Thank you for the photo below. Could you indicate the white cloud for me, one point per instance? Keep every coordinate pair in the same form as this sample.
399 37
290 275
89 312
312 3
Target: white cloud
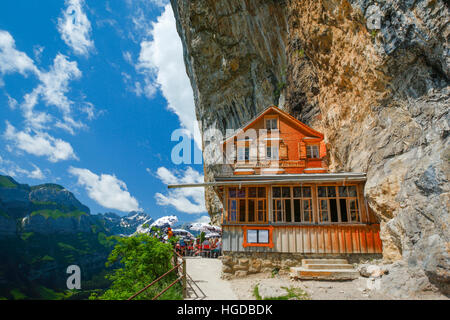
12 103
106 190
75 28
203 219
52 90
12 60
36 173
37 51
39 144
10 168
189 200
161 62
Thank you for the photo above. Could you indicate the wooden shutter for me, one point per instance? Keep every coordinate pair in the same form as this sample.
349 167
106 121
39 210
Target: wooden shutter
302 150
283 152
322 149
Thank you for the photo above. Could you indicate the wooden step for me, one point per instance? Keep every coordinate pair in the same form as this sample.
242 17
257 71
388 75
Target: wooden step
316 266
325 274
324 261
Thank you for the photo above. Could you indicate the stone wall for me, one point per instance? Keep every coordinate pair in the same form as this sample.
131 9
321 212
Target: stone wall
241 264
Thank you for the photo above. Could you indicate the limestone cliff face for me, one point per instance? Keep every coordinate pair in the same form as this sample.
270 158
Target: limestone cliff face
381 97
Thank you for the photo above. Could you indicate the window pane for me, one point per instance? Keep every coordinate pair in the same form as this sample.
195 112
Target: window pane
263 236
261 192
261 210
308 151
268 152
276 192
241 153
251 211
352 191
268 123
247 153
232 216
287 210
297 192
331 192
343 206
306 192
232 192
275 153
343 191
306 216
352 205
252 192
297 210
307 211
333 210
323 205
324 216
242 210
278 210
322 191
252 236
286 192
241 193
315 151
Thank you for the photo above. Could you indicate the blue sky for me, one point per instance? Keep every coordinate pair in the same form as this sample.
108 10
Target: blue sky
90 93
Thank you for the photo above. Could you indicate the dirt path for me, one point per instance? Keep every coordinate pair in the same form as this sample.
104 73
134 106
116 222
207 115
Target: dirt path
206 274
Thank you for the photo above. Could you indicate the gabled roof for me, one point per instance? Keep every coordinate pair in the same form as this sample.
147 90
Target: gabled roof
282 113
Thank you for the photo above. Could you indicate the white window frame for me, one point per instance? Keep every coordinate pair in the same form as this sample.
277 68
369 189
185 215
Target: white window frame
242 152
273 151
271 122
313 151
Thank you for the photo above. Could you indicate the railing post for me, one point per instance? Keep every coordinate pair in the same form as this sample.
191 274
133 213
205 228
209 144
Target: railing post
184 278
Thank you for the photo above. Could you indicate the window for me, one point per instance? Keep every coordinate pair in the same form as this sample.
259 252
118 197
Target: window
272 152
272 124
312 152
292 204
247 204
338 204
302 199
243 153
257 236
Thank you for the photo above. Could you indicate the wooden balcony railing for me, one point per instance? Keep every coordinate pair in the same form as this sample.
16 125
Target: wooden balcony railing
270 164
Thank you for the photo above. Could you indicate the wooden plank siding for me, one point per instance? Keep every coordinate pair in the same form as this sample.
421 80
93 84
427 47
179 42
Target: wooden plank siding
329 239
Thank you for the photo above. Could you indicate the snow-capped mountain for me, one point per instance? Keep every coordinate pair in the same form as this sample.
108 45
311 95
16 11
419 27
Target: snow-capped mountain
161 223
126 225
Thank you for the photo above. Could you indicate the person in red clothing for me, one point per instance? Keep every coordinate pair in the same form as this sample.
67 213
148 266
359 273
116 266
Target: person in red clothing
169 233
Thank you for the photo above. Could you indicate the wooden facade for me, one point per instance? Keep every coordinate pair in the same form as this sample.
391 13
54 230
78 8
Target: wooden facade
282 199
304 239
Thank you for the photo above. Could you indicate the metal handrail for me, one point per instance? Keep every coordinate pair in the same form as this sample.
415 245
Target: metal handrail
170 286
155 281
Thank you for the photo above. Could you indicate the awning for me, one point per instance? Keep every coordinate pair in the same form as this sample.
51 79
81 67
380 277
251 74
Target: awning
241 180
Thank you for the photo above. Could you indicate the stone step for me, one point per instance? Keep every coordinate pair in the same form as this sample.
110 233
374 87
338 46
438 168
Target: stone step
325 274
324 261
317 266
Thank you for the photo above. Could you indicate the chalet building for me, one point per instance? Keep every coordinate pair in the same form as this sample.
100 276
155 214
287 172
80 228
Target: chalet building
280 201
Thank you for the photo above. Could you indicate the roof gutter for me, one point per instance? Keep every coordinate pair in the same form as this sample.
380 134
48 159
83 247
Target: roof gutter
304 178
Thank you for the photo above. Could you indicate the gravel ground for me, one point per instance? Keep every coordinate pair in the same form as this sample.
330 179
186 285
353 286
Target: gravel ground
206 273
358 289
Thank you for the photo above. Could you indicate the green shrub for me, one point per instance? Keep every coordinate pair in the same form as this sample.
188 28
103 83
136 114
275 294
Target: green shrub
141 260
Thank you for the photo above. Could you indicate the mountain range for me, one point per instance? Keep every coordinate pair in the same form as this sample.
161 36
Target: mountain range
43 230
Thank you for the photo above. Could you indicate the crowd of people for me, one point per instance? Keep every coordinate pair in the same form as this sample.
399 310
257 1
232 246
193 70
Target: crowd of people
211 247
